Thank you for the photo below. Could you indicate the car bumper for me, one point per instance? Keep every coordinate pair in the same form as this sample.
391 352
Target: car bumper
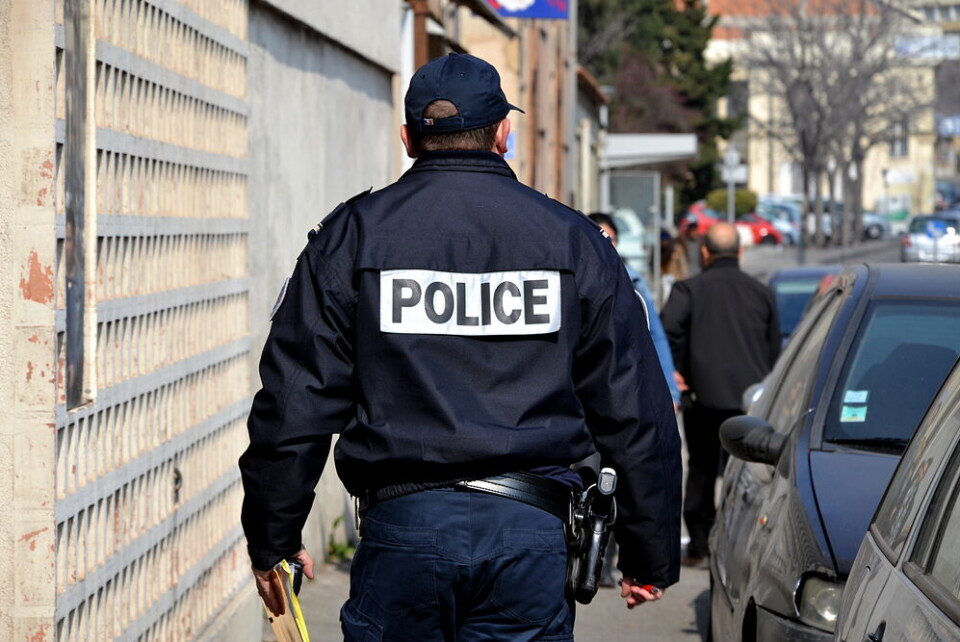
771 626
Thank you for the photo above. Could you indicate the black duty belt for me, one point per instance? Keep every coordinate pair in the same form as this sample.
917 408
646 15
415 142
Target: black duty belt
547 494
550 495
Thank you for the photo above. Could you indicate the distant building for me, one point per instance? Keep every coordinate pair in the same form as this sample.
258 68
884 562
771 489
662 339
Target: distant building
900 174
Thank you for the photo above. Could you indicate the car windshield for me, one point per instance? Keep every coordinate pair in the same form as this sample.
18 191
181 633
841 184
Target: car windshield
901 356
924 224
792 296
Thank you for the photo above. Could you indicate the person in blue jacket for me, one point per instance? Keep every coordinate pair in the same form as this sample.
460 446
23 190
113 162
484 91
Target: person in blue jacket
469 339
660 342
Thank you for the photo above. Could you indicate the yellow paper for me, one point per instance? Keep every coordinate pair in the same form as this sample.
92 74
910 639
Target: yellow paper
289 627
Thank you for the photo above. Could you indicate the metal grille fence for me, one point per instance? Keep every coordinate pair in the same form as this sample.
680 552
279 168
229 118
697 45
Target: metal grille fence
148 545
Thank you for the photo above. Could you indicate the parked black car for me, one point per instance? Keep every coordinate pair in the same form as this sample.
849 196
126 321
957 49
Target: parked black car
794 287
905 582
814 456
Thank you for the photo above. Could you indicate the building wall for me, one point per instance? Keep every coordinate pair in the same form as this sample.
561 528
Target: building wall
322 129
27 335
147 538
350 25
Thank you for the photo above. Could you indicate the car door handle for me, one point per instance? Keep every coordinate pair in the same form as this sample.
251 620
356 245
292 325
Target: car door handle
877 636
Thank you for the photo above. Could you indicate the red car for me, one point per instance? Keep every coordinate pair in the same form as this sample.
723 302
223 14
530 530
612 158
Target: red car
761 230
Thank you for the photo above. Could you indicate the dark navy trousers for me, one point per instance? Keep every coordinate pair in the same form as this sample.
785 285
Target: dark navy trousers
456 565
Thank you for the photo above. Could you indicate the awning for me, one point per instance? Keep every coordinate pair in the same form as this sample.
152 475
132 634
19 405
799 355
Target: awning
635 150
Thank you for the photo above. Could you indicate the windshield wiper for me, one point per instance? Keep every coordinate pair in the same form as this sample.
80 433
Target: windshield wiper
872 443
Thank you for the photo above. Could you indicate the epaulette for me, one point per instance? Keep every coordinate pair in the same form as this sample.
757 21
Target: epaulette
339 208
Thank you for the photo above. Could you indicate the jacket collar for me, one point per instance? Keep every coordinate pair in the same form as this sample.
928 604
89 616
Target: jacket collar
724 262
461 161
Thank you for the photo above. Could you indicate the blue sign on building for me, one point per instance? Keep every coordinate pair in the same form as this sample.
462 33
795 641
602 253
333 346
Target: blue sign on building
555 9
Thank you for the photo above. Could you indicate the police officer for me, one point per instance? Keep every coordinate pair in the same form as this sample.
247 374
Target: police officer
469 339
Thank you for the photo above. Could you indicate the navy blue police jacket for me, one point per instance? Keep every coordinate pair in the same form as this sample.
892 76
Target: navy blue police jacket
454 325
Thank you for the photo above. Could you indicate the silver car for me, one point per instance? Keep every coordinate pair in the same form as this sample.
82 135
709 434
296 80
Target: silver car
932 238
905 582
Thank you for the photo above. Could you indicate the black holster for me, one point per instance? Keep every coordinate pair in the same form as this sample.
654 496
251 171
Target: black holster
594 512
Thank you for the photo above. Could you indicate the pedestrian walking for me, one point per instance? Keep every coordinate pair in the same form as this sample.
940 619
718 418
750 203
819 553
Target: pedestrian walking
673 263
469 339
652 317
689 242
725 335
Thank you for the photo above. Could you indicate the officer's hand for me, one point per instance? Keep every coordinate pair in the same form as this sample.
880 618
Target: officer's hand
635 594
304 558
270 590
269 587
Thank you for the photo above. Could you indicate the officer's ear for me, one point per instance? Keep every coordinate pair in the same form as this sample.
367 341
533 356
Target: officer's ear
503 133
407 142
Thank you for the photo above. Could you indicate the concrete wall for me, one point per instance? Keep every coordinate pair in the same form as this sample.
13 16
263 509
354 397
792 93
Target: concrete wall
369 27
27 338
322 129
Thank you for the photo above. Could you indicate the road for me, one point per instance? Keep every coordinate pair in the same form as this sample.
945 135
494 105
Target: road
682 614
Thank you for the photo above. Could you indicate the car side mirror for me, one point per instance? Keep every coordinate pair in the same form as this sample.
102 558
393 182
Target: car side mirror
751 439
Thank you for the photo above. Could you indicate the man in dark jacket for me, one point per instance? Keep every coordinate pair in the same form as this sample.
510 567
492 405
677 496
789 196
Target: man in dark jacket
469 339
724 334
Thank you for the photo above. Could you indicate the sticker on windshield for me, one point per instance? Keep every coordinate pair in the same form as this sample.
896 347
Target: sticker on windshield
856 396
853 414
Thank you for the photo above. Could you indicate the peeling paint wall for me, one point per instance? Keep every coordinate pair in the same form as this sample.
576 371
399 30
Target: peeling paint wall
27 337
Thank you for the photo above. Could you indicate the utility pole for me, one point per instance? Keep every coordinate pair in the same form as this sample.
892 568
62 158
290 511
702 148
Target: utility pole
731 163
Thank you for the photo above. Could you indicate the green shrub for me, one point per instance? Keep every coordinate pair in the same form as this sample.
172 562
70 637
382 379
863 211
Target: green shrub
744 201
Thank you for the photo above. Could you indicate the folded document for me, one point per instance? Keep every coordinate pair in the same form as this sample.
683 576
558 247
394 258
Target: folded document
289 627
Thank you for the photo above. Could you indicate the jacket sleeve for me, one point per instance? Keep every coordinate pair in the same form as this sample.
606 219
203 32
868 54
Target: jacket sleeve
628 409
307 373
675 317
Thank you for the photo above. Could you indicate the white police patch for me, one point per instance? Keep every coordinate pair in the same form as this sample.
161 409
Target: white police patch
495 303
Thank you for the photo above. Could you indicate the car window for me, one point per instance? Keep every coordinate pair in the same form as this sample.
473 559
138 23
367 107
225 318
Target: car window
792 296
921 224
944 565
899 359
792 395
935 566
908 485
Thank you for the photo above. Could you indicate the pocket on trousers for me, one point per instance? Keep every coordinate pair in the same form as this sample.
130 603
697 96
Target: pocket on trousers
357 627
531 583
399 566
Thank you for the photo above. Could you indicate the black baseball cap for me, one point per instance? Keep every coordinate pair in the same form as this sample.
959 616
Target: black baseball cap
471 84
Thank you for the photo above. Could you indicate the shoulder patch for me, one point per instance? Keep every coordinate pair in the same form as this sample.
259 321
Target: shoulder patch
339 208
283 293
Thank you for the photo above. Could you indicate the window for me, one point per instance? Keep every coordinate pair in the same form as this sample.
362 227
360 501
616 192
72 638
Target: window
897 363
914 475
900 138
945 565
794 391
935 563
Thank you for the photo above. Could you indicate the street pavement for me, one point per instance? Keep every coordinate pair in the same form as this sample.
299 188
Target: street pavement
682 614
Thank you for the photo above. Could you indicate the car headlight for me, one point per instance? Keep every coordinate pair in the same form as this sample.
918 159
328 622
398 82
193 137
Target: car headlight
820 602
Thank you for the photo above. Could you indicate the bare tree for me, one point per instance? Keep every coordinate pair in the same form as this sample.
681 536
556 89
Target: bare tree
832 67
